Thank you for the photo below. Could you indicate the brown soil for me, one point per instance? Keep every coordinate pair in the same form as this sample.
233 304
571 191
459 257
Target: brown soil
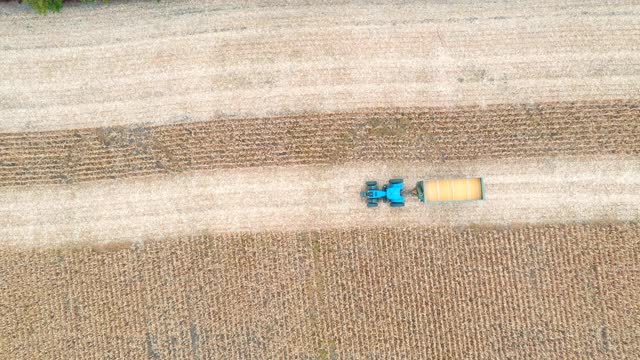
561 291
429 135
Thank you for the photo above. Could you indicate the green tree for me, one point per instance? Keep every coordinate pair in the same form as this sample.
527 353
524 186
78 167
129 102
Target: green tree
44 6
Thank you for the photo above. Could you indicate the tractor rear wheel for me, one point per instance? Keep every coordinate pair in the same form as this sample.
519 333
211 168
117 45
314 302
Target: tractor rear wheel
396 181
372 183
397 204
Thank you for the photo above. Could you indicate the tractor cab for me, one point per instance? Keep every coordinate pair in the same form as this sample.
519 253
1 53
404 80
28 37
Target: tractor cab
375 194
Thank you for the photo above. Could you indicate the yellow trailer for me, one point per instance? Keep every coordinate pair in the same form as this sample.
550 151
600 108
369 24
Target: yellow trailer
450 190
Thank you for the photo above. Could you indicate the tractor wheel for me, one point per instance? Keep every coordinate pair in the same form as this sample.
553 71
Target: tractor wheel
372 204
396 181
372 183
397 204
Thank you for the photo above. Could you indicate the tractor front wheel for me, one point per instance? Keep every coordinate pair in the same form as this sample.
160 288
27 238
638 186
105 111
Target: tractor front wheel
372 204
372 183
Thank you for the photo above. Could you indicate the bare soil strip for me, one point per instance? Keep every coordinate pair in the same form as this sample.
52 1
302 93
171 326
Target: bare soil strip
315 197
429 135
151 63
560 291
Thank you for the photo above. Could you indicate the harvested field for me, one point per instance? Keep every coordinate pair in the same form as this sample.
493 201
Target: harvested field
555 291
496 132
181 180
123 64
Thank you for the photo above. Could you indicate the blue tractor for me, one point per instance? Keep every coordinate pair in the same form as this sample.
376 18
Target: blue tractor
391 193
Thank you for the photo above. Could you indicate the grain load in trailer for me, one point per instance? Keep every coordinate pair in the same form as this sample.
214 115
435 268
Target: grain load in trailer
466 189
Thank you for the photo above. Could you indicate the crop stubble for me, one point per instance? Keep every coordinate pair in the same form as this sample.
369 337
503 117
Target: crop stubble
541 291
122 65
432 135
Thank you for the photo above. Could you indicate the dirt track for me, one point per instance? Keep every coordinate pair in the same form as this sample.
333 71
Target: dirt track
321 197
121 64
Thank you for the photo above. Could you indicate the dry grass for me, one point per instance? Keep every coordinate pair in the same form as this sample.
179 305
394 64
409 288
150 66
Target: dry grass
562 291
